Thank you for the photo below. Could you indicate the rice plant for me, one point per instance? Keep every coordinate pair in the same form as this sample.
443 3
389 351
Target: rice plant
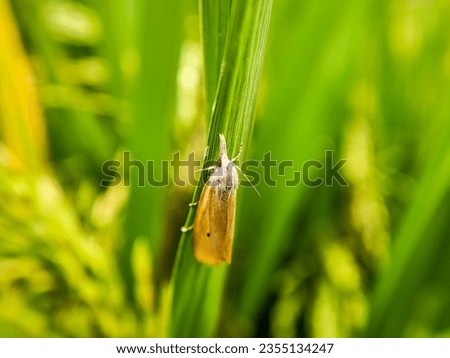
341 109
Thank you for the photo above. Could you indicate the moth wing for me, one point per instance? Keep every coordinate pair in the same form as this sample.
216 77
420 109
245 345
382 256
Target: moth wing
214 227
203 250
222 217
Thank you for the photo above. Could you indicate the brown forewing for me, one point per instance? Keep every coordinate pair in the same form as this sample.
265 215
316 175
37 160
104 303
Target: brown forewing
214 226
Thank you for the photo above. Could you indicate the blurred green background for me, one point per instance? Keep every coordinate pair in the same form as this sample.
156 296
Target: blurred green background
83 81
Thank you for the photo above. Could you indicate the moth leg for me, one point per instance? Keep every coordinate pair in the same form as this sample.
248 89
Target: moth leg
238 154
187 228
205 153
204 169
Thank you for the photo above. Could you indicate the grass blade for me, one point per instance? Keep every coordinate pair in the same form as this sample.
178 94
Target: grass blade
197 289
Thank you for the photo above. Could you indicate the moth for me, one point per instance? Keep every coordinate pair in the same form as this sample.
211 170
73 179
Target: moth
213 229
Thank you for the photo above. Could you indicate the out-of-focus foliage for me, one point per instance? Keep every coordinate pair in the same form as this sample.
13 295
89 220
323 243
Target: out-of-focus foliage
83 81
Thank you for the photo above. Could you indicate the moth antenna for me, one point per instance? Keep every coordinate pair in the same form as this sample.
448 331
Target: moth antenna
246 178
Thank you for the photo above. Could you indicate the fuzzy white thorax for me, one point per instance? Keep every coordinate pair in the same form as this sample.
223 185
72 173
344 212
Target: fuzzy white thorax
224 178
